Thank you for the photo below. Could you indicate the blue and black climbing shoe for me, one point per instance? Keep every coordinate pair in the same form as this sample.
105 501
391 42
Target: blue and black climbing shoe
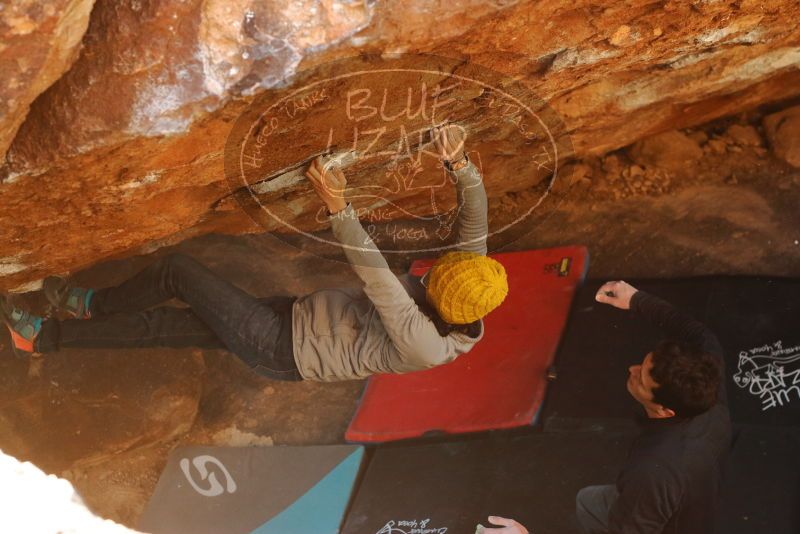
23 327
63 297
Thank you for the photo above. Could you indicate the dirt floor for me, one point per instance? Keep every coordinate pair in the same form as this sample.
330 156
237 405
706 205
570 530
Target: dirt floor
106 420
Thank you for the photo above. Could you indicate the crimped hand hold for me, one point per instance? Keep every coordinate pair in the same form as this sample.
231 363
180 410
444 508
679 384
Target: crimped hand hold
328 182
449 141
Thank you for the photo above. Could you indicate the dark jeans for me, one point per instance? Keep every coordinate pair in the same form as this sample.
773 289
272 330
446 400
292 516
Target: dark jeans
592 506
220 316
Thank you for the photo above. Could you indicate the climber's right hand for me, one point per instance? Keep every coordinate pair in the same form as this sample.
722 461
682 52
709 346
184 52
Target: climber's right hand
449 141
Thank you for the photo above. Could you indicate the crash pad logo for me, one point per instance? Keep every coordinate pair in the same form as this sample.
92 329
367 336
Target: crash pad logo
560 268
209 485
771 373
372 117
411 526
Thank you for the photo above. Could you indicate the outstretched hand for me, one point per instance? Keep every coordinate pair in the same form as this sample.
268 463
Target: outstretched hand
617 294
449 141
507 526
329 183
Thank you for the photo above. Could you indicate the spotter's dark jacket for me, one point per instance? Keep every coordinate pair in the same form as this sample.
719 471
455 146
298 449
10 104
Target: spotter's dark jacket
670 481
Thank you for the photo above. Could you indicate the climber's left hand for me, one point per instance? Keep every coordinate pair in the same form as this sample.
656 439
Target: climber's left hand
329 183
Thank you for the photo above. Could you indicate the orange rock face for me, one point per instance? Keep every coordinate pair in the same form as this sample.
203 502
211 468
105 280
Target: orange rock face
783 131
132 147
39 41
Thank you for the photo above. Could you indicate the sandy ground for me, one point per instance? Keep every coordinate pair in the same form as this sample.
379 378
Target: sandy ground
106 420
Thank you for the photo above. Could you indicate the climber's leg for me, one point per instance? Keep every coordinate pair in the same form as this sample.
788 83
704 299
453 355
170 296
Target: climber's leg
160 327
248 326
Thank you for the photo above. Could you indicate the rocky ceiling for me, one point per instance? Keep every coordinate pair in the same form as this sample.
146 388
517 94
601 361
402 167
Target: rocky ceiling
129 125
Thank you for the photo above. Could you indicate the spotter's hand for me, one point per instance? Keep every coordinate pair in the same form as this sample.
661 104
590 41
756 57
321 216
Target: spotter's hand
328 182
617 294
507 526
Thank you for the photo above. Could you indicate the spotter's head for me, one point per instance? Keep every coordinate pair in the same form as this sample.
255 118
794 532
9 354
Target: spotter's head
675 379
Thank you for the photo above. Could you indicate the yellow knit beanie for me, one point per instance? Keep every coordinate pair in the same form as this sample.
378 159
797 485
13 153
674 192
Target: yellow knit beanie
465 286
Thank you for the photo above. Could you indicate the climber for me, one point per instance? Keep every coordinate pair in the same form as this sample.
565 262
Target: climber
671 480
391 325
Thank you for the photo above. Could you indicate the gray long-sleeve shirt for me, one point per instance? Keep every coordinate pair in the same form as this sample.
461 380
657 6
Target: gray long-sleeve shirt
341 334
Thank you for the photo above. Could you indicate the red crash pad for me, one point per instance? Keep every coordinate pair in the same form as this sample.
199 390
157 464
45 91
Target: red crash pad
498 384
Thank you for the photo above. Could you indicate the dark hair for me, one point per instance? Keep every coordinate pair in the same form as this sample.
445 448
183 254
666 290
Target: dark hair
443 327
688 378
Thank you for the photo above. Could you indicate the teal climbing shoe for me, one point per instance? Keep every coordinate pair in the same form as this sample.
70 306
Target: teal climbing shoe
63 297
23 327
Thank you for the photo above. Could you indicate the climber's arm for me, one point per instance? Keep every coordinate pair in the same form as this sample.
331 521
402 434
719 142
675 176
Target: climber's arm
472 226
417 342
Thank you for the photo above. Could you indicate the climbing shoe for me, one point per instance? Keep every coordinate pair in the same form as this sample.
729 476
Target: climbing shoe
23 326
72 300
